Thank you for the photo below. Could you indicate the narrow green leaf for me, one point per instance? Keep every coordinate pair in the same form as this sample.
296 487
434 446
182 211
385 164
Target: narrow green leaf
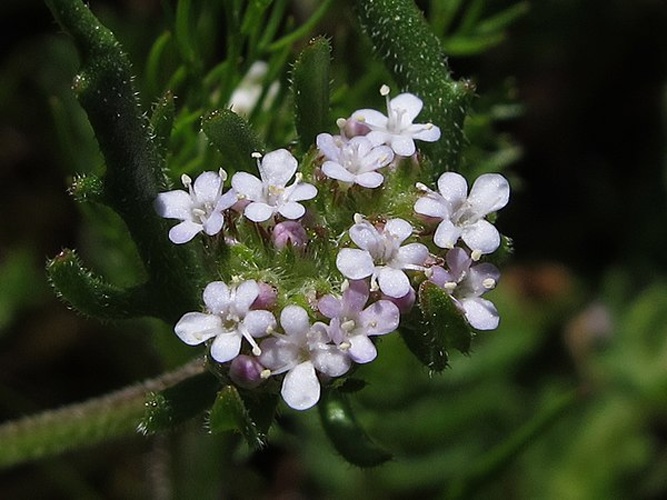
92 295
310 85
179 403
415 57
234 138
345 433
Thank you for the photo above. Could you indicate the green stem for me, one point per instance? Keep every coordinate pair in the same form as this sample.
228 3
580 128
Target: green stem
415 57
84 424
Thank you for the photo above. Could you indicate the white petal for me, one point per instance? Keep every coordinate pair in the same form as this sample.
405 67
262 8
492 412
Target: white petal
380 318
258 211
331 361
259 323
432 205
426 132
174 205
446 235
361 349
184 232
410 104
403 145
336 171
213 224
226 346
302 191
227 200
301 388
379 137
489 193
248 186
412 254
246 293
482 236
217 297
292 210
330 306
453 187
369 180
278 167
278 355
393 282
371 118
365 236
194 327
481 313
294 320
329 146
207 186
355 297
377 157
355 264
399 228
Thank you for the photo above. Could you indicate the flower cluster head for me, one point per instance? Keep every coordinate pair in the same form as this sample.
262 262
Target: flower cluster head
323 259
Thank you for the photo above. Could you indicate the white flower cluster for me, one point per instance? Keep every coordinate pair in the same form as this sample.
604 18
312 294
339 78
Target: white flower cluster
378 271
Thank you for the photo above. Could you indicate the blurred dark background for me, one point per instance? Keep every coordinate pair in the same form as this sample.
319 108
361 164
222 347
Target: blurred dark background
589 197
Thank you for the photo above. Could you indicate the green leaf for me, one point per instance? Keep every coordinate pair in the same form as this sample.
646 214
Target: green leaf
234 138
310 85
92 295
440 326
345 433
251 413
162 122
179 403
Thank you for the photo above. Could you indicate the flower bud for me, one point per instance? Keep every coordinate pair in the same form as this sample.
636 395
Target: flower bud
245 371
404 303
289 233
266 298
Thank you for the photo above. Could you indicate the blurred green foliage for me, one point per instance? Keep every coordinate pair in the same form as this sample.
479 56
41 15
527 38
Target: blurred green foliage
583 305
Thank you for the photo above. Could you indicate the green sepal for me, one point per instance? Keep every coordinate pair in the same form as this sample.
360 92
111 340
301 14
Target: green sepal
345 433
440 326
249 413
414 56
234 138
87 187
310 86
91 295
179 403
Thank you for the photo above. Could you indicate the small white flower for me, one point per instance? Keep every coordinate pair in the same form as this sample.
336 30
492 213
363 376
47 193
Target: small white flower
300 352
381 256
354 161
466 283
245 97
228 320
199 209
462 215
271 194
396 129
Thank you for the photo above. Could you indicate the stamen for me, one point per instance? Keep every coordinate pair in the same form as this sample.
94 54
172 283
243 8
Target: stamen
348 325
450 286
341 122
265 373
344 346
475 255
489 283
384 90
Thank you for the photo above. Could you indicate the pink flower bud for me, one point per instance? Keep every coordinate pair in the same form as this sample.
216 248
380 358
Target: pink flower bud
289 233
245 371
404 303
266 298
352 128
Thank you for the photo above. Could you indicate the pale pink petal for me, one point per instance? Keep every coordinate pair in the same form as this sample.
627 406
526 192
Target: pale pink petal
213 224
377 157
336 171
329 146
227 200
259 323
371 118
369 180
481 313
330 306
294 320
365 236
399 228
403 145
409 104
361 349
427 132
331 361
432 205
246 293
380 318
302 191
414 254
207 186
355 296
